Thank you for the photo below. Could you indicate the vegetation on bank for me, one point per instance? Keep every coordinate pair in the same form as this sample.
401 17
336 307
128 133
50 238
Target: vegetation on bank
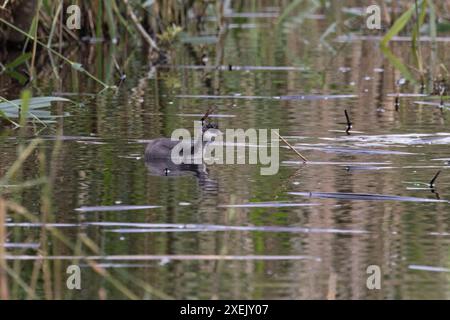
41 25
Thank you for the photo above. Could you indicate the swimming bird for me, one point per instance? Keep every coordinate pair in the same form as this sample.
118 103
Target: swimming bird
160 150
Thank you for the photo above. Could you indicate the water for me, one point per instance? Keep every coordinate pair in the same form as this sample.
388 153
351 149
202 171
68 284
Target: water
308 232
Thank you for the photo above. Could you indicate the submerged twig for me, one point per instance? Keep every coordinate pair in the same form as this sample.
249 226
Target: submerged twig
434 179
290 146
349 123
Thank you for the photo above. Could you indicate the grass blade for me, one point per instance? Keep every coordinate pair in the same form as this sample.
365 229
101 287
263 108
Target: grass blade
398 26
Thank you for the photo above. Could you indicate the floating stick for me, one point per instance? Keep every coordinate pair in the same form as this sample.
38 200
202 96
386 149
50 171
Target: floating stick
290 146
349 123
434 179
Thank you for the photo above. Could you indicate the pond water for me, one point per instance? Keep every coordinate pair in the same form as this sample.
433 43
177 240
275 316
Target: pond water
308 232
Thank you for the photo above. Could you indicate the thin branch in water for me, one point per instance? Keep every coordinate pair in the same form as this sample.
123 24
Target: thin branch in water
291 147
432 182
349 123
397 103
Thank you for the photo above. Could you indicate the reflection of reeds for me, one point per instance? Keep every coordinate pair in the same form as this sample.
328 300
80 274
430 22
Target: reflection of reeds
46 273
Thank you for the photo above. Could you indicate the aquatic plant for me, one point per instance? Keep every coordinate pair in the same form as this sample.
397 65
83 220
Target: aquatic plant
415 16
41 24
